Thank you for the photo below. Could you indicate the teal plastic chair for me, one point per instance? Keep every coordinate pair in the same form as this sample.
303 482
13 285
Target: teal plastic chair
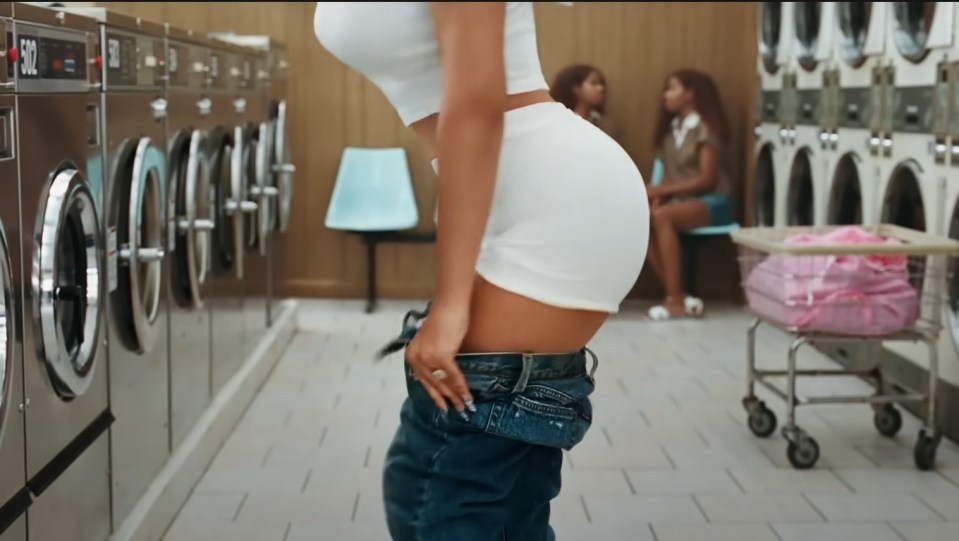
692 240
373 192
373 197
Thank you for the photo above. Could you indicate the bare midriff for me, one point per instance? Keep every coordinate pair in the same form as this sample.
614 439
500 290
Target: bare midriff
502 320
425 128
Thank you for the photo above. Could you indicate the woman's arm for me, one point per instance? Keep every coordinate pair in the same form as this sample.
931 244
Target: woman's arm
704 183
469 135
470 132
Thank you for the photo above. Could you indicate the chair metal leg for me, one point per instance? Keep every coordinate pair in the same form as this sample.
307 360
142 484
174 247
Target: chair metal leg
690 251
370 273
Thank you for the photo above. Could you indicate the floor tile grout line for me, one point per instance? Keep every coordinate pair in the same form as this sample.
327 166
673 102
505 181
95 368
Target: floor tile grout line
323 435
609 440
629 483
669 458
645 418
266 456
366 459
898 533
652 531
582 500
735 481
775 533
239 508
947 479
700 507
813 505
356 505
841 480
286 534
306 482
931 508
702 437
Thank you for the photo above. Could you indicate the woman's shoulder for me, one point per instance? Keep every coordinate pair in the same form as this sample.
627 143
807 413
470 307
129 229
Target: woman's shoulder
706 135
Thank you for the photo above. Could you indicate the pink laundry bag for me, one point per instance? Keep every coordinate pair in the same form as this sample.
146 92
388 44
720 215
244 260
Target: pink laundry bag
860 295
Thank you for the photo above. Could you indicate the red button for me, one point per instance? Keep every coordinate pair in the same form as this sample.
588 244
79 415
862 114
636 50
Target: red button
99 62
12 54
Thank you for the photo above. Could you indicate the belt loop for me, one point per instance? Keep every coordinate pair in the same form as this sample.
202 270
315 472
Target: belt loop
592 369
524 376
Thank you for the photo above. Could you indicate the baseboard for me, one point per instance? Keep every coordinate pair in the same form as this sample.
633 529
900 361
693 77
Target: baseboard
156 510
898 369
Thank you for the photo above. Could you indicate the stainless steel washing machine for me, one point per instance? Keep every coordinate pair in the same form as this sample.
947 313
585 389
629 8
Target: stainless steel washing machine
65 378
133 114
190 222
14 495
276 203
228 144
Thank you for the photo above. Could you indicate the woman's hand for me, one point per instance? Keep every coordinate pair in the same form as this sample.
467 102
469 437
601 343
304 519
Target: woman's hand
434 348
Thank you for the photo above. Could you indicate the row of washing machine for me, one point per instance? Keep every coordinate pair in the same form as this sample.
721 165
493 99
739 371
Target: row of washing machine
144 172
858 123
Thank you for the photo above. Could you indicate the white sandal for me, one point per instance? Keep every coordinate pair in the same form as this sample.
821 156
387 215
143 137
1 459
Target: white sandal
693 305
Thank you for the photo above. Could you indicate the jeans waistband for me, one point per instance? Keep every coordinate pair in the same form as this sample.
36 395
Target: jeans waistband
521 367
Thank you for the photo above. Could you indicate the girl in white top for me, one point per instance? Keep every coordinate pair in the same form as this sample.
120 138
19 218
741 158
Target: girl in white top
542 231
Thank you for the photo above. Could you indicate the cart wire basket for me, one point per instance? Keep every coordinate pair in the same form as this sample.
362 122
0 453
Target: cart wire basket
835 285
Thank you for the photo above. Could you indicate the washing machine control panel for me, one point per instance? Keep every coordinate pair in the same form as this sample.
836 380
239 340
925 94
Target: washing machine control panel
186 65
51 59
132 60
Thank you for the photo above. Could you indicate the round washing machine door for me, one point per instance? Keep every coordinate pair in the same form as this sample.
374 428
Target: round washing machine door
282 168
845 195
192 208
229 195
800 198
764 188
67 282
7 331
854 21
912 22
259 175
770 29
138 220
807 16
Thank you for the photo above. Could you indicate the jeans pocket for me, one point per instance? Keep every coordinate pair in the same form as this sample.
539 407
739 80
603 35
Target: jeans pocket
539 423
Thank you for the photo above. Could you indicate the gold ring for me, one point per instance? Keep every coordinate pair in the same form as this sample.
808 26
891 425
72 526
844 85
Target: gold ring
439 373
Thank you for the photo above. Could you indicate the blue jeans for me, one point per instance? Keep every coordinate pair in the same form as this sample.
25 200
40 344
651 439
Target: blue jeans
491 476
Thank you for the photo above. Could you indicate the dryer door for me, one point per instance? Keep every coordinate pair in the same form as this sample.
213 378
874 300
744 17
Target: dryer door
139 217
807 17
921 26
845 205
67 281
854 26
801 197
7 330
282 168
770 32
764 188
193 218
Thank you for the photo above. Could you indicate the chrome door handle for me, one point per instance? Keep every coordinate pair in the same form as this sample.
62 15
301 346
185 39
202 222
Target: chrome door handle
150 255
203 225
290 168
248 207
158 106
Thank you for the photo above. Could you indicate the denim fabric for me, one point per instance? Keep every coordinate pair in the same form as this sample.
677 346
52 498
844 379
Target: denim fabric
720 210
490 476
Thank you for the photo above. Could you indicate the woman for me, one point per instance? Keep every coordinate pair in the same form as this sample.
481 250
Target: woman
690 136
582 89
536 206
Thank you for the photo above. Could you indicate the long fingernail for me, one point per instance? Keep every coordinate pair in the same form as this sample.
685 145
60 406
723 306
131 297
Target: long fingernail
464 416
470 405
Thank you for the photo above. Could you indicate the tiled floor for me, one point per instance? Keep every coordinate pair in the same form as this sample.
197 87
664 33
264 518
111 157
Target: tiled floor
668 458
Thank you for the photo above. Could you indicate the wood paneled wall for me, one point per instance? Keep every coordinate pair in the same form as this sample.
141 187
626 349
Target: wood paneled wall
635 44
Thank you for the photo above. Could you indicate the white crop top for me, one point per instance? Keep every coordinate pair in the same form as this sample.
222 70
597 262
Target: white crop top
394 45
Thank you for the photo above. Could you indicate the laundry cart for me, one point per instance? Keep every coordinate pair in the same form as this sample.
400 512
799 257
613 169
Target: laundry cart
835 285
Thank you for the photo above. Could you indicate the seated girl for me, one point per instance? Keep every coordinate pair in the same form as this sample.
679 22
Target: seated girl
582 89
694 192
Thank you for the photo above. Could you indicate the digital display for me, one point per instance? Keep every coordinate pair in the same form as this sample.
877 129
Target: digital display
51 58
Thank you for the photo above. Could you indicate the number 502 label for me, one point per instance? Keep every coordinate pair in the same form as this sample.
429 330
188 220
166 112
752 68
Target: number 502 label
28 57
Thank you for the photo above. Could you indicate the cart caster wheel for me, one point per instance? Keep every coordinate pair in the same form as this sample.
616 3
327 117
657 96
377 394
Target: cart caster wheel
803 454
762 421
925 451
888 421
